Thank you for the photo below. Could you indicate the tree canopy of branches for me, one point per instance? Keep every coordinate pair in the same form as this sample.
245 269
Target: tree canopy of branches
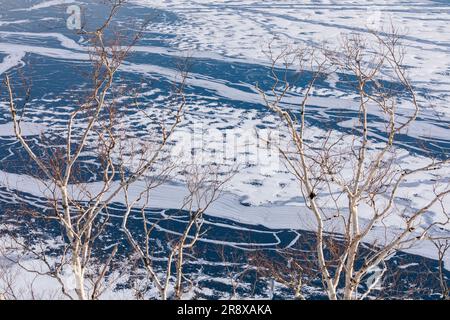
351 182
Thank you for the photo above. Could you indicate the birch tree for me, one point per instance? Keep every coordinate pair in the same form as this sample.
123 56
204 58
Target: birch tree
204 185
94 127
351 182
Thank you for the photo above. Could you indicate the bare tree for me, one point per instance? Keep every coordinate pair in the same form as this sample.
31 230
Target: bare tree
94 127
443 247
204 185
350 182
